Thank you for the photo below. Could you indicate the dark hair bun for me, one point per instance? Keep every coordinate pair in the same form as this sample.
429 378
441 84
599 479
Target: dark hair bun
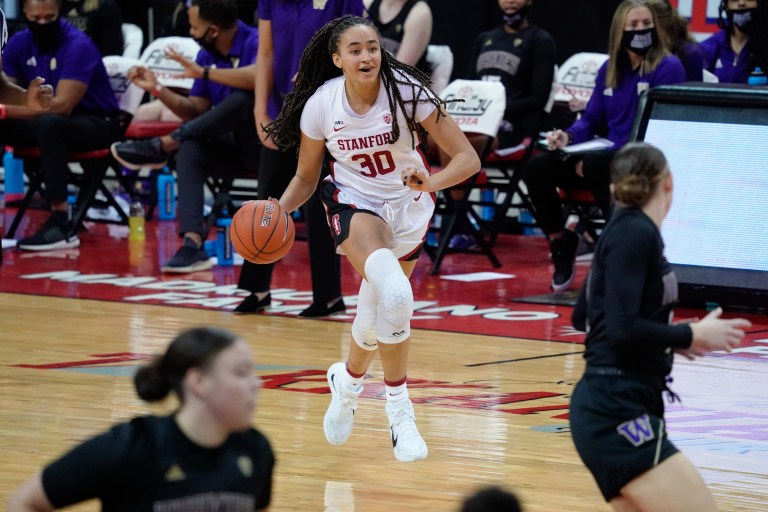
151 385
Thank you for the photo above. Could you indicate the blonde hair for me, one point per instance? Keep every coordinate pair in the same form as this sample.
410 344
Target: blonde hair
636 171
617 57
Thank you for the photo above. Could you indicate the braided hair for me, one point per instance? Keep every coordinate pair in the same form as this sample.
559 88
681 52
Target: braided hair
316 67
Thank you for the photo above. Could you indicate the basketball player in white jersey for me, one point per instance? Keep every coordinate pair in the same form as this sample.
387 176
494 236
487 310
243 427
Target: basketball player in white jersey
37 97
366 108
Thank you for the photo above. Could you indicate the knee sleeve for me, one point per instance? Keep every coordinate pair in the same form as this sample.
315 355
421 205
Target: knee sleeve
364 325
395 305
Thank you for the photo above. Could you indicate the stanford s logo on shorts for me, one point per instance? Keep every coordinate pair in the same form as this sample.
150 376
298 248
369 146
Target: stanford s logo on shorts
336 224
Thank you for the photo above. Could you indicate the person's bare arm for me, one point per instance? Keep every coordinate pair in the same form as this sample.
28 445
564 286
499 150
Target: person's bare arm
464 160
304 183
417 32
186 107
264 81
239 78
68 95
30 497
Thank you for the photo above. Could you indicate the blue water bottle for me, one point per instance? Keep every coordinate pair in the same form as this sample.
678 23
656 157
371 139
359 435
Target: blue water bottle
14 176
757 77
224 250
166 195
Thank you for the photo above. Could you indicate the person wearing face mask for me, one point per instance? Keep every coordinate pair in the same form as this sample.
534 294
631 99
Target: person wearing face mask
681 43
101 20
218 137
521 56
204 456
728 53
638 61
83 115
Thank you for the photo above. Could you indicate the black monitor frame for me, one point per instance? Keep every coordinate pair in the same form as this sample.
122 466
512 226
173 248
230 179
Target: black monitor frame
732 287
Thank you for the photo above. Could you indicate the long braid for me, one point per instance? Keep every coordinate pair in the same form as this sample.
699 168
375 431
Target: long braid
316 67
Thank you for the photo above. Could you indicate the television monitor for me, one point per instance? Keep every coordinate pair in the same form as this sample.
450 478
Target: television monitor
715 138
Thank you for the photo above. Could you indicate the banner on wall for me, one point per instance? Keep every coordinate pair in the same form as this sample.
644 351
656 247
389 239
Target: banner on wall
701 14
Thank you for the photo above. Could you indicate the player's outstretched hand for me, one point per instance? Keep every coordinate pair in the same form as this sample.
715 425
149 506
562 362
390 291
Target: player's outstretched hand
39 95
715 333
415 179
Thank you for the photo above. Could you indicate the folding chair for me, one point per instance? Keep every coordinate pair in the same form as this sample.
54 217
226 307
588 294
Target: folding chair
166 71
440 59
480 112
95 164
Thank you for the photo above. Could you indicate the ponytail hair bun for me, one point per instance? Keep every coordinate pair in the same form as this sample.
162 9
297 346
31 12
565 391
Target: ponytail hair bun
636 170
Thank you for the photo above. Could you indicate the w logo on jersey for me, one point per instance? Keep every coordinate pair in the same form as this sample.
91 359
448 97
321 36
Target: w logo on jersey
637 431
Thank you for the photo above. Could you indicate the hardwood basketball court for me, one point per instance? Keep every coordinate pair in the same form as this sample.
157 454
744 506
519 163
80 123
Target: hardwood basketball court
491 406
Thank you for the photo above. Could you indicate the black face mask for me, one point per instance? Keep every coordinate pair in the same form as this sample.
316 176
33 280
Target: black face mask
209 46
742 18
513 21
639 41
45 35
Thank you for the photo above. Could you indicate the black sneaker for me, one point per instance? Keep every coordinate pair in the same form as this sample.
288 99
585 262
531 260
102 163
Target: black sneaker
53 234
564 258
138 154
189 258
252 304
321 309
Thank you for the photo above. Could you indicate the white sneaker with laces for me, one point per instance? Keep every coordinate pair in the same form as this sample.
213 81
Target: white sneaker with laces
340 416
407 443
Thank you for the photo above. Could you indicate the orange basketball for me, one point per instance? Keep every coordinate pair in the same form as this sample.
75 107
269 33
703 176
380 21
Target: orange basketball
262 232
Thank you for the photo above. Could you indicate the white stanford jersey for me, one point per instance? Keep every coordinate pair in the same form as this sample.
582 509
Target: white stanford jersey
366 162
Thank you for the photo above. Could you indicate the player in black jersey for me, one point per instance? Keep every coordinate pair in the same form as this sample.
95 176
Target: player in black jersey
617 411
206 456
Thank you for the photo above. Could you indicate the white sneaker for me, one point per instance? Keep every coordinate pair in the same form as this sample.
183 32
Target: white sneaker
406 440
340 415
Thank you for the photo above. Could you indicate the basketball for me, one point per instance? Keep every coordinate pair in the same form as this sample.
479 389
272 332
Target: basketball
262 232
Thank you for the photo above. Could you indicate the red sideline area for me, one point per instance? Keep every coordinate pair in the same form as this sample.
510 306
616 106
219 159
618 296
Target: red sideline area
107 266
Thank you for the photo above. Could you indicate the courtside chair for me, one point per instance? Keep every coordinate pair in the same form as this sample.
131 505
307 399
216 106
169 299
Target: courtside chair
440 59
472 119
133 40
94 164
166 71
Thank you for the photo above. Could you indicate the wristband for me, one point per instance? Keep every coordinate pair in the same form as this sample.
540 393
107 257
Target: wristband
206 70
156 90
3 111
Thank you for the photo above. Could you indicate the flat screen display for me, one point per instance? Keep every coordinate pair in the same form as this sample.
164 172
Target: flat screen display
716 232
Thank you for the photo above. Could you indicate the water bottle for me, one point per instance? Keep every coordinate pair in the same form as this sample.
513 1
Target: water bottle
2 224
487 211
224 250
71 207
136 221
166 195
14 176
757 77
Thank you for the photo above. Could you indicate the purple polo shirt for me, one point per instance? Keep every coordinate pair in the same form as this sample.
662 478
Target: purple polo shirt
245 44
611 111
75 58
294 22
720 59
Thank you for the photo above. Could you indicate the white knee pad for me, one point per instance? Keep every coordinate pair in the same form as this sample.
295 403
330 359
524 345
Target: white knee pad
364 325
395 296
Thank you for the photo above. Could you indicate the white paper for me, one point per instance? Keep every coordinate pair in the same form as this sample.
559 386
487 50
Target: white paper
591 145
478 276
9 243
